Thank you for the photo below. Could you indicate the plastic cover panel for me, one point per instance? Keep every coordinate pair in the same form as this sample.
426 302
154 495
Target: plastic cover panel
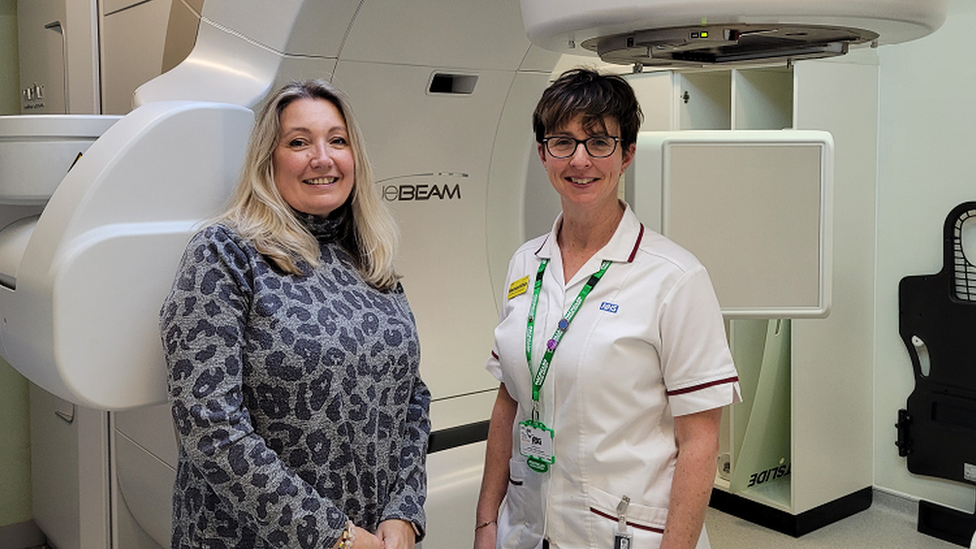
470 34
432 168
753 206
58 139
82 323
146 484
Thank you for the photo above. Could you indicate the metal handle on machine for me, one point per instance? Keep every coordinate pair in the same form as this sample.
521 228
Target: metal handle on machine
57 27
69 419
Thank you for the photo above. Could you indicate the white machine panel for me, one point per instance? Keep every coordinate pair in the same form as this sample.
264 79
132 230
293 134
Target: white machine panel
455 477
433 172
145 486
562 25
58 139
753 206
236 57
87 332
320 28
255 22
470 34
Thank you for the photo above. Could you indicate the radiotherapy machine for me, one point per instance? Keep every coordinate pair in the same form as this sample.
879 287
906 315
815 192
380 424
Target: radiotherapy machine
100 207
445 121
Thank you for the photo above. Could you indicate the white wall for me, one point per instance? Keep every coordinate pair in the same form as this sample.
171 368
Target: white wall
15 494
927 166
9 85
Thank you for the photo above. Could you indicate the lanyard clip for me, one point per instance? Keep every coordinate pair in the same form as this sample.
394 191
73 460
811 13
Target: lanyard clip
535 411
622 514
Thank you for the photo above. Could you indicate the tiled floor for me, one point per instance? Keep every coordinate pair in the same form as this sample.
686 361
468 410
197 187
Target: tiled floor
890 523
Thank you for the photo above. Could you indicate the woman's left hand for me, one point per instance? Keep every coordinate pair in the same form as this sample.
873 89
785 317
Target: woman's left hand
396 534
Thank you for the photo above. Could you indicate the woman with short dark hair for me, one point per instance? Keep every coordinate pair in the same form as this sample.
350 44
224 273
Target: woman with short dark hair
611 353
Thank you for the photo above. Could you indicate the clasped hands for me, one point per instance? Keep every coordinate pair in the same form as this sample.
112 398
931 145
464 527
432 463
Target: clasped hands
391 534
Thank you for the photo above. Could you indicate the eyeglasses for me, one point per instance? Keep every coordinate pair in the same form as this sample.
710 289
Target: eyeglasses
598 146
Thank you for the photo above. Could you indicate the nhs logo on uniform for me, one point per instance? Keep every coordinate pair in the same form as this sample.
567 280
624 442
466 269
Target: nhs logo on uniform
609 307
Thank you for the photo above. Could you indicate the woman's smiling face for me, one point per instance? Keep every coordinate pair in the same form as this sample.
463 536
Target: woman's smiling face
314 165
581 180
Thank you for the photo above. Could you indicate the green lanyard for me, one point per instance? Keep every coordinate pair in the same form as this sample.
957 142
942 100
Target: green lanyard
540 375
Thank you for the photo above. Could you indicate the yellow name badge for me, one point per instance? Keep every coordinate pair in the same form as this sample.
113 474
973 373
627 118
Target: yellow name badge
518 287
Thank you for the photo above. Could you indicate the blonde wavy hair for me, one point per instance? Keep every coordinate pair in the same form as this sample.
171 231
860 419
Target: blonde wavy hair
259 213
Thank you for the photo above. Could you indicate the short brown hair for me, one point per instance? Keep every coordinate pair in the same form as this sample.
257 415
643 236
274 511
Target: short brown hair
593 96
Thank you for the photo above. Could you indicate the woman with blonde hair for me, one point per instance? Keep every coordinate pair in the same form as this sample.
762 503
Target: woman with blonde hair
293 355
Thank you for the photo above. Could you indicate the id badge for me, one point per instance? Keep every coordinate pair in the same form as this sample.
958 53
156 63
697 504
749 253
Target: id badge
535 443
623 540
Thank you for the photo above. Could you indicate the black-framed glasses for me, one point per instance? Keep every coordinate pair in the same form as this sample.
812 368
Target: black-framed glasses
598 146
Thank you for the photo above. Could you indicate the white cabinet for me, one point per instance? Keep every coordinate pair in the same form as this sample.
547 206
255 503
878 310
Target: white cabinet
797 454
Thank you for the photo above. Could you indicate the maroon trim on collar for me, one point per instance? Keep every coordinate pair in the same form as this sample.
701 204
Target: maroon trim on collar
633 253
694 388
543 245
494 355
634 524
640 237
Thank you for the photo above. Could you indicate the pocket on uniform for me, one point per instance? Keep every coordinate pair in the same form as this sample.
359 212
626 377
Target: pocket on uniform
645 523
520 521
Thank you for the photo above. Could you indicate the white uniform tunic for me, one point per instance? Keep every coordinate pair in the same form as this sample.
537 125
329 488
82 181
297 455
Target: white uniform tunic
648 344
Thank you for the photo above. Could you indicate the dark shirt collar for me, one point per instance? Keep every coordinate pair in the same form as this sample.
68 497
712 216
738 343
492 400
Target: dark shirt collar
324 229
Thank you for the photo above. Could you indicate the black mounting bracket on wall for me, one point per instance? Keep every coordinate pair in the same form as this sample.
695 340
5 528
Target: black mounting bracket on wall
937 431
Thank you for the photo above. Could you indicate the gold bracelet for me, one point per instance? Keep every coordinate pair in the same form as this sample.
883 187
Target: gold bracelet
486 523
348 536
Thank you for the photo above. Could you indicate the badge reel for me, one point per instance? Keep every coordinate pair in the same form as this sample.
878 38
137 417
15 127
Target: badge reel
535 443
622 538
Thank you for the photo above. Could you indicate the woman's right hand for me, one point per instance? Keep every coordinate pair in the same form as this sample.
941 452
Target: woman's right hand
364 540
484 538
494 482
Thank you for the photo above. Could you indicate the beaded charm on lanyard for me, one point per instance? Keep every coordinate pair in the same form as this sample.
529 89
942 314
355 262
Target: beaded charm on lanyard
535 437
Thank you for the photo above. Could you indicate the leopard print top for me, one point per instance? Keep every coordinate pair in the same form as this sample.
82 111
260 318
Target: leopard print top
297 399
